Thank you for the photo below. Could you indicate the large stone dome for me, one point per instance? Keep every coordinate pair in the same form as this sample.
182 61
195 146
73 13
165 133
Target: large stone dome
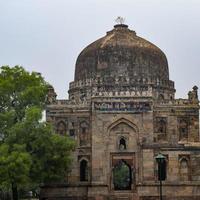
122 52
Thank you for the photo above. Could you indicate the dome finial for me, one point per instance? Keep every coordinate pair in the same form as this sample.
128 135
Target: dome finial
120 20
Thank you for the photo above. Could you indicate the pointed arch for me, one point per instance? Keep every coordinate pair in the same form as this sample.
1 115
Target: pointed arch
184 168
61 127
126 129
125 121
84 169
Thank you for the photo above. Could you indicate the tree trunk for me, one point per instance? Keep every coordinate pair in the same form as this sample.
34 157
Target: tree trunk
14 191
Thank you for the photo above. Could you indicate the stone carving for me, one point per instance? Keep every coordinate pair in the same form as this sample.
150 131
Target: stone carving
114 81
114 86
122 106
51 96
193 95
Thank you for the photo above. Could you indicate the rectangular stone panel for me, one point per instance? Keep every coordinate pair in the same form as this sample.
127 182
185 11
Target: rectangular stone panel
148 164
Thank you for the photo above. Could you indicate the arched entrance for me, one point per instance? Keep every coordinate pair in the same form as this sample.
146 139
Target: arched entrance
122 176
83 170
123 145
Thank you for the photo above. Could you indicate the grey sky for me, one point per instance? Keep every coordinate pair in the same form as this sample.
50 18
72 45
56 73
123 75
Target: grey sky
48 35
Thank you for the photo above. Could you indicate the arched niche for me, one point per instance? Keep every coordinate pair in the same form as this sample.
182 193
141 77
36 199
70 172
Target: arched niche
84 133
184 168
123 135
112 126
162 126
61 128
183 129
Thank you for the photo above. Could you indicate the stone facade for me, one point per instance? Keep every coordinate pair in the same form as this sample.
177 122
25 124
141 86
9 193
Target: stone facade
122 111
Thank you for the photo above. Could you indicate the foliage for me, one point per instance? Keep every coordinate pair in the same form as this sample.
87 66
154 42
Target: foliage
30 152
15 165
121 176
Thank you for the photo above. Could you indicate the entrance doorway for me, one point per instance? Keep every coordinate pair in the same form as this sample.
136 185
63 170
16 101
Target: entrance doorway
122 176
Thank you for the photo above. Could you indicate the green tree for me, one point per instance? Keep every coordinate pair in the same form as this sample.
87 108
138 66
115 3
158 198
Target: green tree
122 176
15 165
30 152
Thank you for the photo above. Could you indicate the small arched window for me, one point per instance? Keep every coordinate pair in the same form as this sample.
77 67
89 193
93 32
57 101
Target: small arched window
83 170
122 144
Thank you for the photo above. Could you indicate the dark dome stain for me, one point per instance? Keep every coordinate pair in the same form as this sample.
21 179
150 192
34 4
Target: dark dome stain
122 52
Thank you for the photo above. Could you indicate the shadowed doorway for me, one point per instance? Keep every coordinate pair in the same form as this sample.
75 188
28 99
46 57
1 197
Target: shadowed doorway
122 177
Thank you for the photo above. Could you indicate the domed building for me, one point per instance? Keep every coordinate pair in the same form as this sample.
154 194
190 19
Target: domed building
122 113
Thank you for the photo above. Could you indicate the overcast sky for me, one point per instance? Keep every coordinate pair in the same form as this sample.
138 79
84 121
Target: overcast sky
47 35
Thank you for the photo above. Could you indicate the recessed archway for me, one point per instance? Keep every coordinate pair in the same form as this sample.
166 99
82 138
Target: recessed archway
122 176
123 121
83 170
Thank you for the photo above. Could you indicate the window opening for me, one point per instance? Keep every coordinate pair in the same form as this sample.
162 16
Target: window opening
83 170
122 144
83 130
122 178
71 132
